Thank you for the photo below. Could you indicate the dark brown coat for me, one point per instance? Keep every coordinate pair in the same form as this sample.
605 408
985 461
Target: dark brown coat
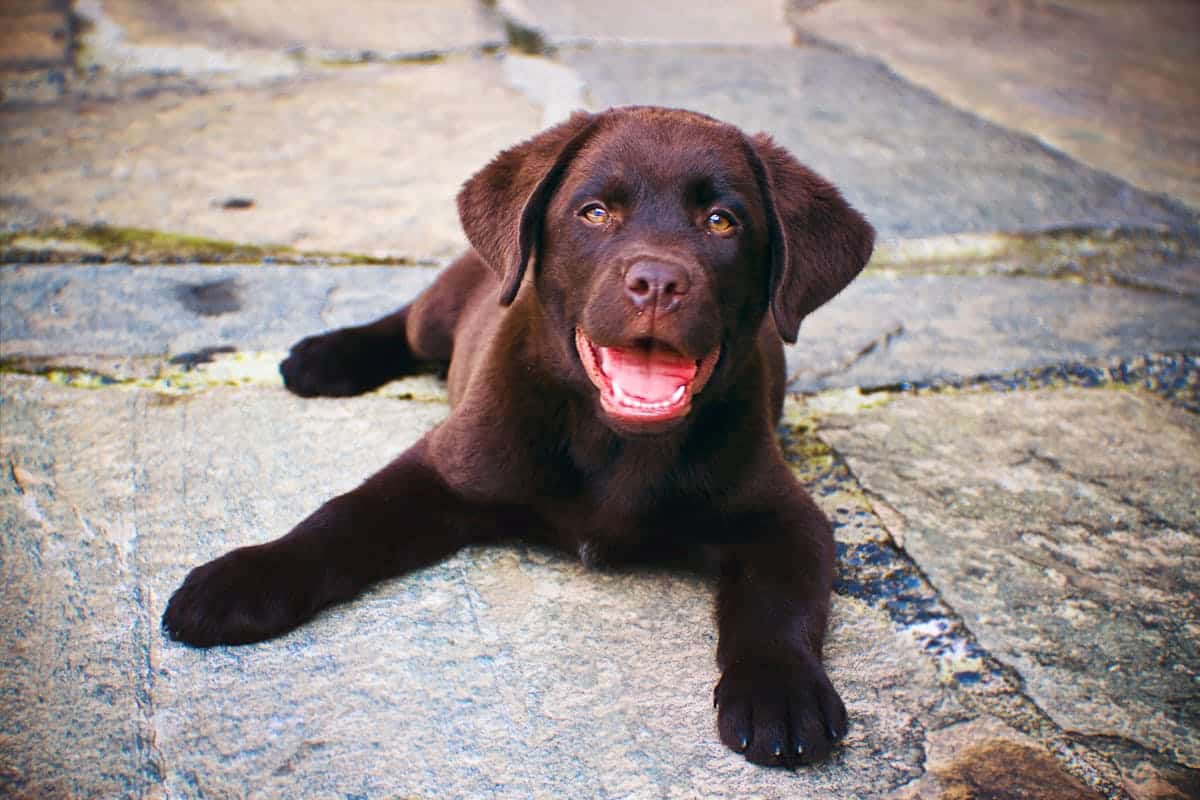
615 366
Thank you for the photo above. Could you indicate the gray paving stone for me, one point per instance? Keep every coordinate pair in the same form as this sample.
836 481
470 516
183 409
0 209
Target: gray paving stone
35 33
885 330
72 618
880 331
130 35
365 159
755 22
1062 525
1110 84
122 310
913 164
500 673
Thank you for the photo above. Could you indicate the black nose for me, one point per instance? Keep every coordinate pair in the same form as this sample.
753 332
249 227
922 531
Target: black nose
651 284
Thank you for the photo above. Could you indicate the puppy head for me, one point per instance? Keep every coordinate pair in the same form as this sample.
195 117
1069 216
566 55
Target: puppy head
658 240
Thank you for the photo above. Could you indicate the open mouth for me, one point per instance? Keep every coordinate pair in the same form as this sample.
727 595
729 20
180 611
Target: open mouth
648 382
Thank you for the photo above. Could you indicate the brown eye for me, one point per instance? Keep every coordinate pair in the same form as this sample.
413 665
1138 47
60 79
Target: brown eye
719 222
595 214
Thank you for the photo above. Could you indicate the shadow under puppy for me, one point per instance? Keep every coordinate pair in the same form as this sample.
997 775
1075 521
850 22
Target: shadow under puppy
615 365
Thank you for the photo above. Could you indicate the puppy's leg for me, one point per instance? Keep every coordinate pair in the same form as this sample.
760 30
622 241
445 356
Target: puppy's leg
350 361
775 703
402 518
357 359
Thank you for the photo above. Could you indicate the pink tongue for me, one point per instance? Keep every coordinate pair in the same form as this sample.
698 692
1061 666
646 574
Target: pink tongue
650 375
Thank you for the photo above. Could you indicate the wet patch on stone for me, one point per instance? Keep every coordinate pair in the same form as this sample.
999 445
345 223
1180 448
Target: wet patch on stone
211 299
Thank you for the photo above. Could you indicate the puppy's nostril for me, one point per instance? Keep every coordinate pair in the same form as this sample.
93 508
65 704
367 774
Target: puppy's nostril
652 283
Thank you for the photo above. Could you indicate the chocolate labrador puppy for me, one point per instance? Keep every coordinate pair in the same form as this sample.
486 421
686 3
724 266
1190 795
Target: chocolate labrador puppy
614 347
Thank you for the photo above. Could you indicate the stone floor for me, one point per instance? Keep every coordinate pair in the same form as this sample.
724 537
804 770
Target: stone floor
1000 415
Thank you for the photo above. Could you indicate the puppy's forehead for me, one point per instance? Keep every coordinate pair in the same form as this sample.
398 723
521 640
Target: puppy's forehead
667 149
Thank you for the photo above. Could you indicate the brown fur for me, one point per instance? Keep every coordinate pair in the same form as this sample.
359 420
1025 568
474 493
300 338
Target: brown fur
528 451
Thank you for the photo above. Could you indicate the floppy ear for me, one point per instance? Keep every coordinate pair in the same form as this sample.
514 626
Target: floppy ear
501 206
818 241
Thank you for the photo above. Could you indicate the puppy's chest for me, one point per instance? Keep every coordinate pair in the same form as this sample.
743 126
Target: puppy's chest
627 504
603 529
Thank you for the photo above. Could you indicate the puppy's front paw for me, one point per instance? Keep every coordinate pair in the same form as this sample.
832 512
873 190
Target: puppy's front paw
336 364
780 714
244 596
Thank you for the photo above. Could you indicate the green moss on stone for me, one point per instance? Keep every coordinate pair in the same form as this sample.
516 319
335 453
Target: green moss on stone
108 243
1083 255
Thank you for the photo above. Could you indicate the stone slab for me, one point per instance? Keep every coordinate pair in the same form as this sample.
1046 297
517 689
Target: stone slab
1111 84
985 758
499 673
755 22
127 33
365 159
34 33
1063 526
879 331
122 310
73 625
913 164
886 330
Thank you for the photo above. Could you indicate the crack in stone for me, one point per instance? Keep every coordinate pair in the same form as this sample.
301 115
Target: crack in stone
879 343
1079 581
29 503
326 304
1150 518
153 766
1173 376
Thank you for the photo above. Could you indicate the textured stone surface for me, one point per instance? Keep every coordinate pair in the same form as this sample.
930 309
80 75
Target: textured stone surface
753 22
884 330
986 758
1112 84
915 165
1063 526
500 673
366 159
384 28
34 33
1053 530
880 331
73 622
120 310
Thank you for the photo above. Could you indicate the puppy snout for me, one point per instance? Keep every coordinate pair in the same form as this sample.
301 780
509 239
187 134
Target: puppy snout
653 284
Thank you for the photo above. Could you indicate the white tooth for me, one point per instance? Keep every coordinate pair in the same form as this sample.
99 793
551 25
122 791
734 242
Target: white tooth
626 399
